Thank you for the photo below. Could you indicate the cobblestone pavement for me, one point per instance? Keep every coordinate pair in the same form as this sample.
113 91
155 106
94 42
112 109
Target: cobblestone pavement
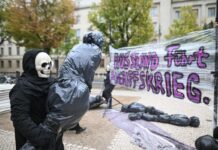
7 140
121 141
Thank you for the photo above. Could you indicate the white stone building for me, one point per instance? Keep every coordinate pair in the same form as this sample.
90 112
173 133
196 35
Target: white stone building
11 57
82 24
163 12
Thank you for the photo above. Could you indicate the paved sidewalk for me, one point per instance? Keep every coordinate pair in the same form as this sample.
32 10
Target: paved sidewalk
121 141
7 140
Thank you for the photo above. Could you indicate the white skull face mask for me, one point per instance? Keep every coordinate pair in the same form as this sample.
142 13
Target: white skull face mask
43 64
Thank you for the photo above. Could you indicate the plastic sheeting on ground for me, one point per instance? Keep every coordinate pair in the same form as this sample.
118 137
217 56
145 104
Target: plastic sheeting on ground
145 134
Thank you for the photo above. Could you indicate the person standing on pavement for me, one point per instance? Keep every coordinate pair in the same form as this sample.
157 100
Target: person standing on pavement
80 65
28 102
108 88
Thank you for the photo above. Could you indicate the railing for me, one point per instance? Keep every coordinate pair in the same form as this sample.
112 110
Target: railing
97 83
4 98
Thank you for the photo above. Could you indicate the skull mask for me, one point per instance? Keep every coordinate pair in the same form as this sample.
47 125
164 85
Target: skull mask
43 64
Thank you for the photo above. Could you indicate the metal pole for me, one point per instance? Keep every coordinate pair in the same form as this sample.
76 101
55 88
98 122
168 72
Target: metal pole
215 73
110 33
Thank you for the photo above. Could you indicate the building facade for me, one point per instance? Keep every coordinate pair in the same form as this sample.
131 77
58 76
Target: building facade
82 10
163 13
11 57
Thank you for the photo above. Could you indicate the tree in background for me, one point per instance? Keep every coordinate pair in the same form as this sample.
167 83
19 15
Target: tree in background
208 25
124 22
185 24
68 43
3 34
39 23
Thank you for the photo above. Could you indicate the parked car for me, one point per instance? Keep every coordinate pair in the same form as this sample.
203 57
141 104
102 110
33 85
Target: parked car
13 79
7 79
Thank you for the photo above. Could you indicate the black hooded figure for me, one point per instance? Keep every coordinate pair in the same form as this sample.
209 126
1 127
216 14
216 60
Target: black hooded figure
68 96
28 105
108 88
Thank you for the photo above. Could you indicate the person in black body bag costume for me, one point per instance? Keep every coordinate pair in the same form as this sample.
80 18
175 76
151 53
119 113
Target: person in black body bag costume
105 96
28 103
108 88
91 39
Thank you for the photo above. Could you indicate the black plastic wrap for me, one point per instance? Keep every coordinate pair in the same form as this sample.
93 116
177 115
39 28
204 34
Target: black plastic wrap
138 111
206 142
135 116
179 120
194 121
149 117
95 101
68 99
135 107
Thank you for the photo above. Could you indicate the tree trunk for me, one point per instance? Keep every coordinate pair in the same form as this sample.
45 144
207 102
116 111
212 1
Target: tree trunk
47 50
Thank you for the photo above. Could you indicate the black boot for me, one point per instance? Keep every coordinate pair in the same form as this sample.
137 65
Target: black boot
78 129
109 105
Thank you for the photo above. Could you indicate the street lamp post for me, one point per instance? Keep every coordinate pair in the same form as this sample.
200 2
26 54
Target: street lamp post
215 73
110 32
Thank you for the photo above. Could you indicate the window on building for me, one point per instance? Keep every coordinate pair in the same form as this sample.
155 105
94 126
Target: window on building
9 41
77 19
18 50
154 12
2 51
177 14
9 51
9 64
196 12
18 63
211 12
2 64
78 33
155 27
